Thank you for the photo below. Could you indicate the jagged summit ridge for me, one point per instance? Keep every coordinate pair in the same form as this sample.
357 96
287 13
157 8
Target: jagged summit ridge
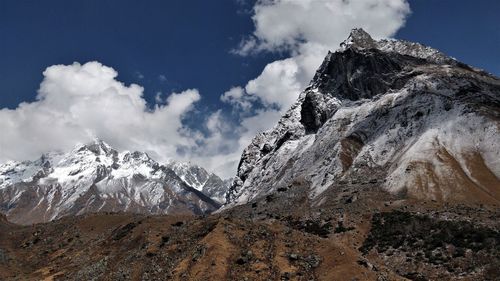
95 177
382 65
98 147
360 40
391 114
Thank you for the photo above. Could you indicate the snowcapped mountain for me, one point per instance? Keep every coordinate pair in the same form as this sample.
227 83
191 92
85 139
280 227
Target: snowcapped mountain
388 113
197 177
95 177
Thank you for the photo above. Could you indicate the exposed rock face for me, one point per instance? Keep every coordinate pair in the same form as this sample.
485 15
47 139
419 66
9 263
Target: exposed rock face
390 113
96 178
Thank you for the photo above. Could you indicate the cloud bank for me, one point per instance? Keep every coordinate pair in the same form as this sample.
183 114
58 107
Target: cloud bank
76 103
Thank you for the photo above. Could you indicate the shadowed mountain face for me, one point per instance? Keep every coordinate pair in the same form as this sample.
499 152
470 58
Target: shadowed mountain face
96 178
393 114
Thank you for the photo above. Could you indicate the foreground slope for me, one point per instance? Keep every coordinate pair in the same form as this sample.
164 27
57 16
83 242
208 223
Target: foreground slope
96 178
390 113
356 239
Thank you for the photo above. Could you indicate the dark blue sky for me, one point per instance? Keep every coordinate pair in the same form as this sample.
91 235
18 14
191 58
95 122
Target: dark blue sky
189 41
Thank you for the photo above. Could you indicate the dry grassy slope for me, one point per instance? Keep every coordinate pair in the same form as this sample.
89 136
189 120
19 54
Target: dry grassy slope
481 186
356 234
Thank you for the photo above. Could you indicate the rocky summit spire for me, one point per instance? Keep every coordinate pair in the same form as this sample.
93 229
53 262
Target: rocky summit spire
98 147
360 39
363 67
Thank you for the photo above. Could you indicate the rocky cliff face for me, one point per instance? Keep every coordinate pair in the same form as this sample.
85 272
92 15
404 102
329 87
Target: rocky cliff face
96 178
388 113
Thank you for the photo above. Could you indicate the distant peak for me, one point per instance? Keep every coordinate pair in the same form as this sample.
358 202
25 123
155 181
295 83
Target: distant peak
360 39
137 155
359 33
97 146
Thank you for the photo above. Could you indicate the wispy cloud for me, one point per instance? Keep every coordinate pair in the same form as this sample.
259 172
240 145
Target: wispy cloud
139 75
162 78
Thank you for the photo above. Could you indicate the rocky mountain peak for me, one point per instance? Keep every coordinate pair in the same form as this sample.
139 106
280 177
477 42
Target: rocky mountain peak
97 147
371 108
358 38
95 177
363 67
359 70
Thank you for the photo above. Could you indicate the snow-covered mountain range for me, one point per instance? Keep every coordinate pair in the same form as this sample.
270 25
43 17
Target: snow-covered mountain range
387 113
391 114
95 177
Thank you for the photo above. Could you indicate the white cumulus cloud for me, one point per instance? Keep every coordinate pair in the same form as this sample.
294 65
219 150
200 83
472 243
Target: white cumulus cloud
237 98
290 24
76 103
